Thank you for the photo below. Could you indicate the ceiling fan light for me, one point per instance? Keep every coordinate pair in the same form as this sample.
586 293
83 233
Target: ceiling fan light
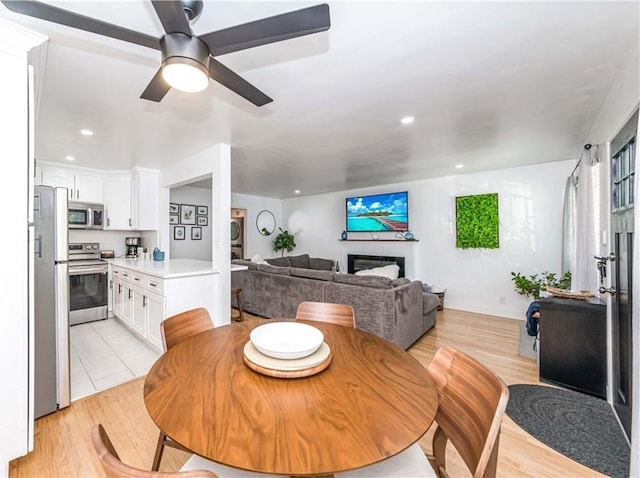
185 74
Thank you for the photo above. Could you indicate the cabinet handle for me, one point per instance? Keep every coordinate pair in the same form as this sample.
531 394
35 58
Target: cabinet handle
129 222
119 288
144 301
129 293
125 274
108 222
78 194
137 278
153 284
110 284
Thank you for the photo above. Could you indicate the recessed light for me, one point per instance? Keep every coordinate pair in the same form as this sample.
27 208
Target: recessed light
297 191
459 166
407 120
86 132
70 158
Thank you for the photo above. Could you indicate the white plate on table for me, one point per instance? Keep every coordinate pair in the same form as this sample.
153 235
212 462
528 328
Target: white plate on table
286 340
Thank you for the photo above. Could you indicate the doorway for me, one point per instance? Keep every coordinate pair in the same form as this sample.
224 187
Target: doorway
623 162
238 217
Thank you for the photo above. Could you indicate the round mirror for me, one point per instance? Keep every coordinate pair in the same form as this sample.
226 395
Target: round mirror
265 222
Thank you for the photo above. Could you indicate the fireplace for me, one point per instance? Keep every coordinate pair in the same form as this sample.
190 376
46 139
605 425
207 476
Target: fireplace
359 262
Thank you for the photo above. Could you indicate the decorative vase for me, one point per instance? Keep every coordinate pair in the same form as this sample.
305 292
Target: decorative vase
408 236
344 235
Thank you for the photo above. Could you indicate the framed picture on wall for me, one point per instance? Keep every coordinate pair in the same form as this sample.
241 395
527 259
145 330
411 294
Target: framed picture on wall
178 233
174 219
174 208
187 214
203 220
196 233
203 210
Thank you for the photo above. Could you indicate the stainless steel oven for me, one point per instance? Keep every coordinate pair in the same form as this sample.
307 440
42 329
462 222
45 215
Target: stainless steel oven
88 283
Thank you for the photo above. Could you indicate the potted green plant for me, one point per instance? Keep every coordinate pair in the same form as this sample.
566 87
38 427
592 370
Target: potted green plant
284 241
532 285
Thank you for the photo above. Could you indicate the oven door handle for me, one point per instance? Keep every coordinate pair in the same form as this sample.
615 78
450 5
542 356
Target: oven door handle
81 271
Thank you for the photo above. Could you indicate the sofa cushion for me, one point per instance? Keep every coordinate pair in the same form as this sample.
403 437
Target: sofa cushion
301 261
375 282
311 273
429 302
279 261
399 281
243 262
274 269
320 264
390 271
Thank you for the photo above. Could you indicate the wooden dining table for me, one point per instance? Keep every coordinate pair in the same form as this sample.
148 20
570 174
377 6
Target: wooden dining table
373 401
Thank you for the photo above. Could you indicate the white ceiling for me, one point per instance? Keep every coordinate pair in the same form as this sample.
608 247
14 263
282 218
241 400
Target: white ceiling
491 85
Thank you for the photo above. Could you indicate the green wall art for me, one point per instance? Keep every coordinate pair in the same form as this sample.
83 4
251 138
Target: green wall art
477 222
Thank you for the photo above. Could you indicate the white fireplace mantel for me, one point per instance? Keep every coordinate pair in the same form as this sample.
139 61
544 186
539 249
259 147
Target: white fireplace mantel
382 247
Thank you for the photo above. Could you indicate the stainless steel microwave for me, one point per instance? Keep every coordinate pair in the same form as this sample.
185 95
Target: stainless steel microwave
86 216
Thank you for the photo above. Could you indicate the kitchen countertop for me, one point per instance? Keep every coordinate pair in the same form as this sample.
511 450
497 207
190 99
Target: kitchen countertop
167 269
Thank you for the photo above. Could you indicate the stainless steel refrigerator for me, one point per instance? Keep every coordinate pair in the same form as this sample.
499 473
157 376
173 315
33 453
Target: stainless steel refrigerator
51 300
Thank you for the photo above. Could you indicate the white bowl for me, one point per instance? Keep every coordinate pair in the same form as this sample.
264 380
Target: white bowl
286 340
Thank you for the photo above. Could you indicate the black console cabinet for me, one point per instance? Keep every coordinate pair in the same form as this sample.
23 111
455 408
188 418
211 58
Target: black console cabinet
573 344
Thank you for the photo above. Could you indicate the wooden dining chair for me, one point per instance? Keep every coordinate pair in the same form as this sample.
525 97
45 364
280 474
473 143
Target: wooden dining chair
341 314
471 404
173 330
184 325
113 466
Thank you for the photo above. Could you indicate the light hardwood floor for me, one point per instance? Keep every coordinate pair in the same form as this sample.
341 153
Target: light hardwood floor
63 445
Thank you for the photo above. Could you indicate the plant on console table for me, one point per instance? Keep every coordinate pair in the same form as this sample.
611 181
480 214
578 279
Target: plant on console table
284 241
531 286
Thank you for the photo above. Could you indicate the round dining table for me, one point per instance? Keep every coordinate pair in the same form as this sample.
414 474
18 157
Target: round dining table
373 401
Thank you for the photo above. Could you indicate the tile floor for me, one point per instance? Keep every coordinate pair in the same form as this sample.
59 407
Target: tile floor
104 354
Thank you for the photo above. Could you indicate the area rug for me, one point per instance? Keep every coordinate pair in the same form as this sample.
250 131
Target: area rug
579 426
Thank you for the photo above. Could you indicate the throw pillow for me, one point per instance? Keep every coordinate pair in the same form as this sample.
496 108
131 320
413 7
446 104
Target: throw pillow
279 261
257 259
390 271
321 264
301 261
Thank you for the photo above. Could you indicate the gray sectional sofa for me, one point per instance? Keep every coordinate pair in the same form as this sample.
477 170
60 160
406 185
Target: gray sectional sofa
397 310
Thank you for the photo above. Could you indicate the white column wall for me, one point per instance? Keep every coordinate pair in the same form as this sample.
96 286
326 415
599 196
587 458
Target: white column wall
16 187
214 162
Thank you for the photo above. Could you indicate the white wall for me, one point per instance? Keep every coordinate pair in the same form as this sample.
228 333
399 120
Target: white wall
113 240
530 208
215 163
188 248
255 242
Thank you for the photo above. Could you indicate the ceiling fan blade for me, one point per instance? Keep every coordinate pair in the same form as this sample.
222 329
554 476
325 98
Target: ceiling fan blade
156 89
172 16
268 30
81 22
237 84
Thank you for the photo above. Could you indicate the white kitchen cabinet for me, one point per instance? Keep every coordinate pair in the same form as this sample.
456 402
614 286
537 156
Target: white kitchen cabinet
145 189
147 299
155 313
83 187
118 202
138 309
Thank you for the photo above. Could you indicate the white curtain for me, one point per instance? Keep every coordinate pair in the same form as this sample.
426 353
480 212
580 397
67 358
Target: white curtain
584 275
569 224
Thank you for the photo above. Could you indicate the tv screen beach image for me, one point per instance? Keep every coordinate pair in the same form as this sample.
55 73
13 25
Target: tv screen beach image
380 212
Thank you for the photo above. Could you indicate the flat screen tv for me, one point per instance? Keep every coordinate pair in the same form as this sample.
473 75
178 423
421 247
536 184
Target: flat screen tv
378 213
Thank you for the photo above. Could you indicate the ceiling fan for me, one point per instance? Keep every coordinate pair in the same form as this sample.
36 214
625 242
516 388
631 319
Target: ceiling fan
188 59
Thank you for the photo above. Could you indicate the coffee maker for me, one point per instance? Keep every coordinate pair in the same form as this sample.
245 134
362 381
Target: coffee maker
132 246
